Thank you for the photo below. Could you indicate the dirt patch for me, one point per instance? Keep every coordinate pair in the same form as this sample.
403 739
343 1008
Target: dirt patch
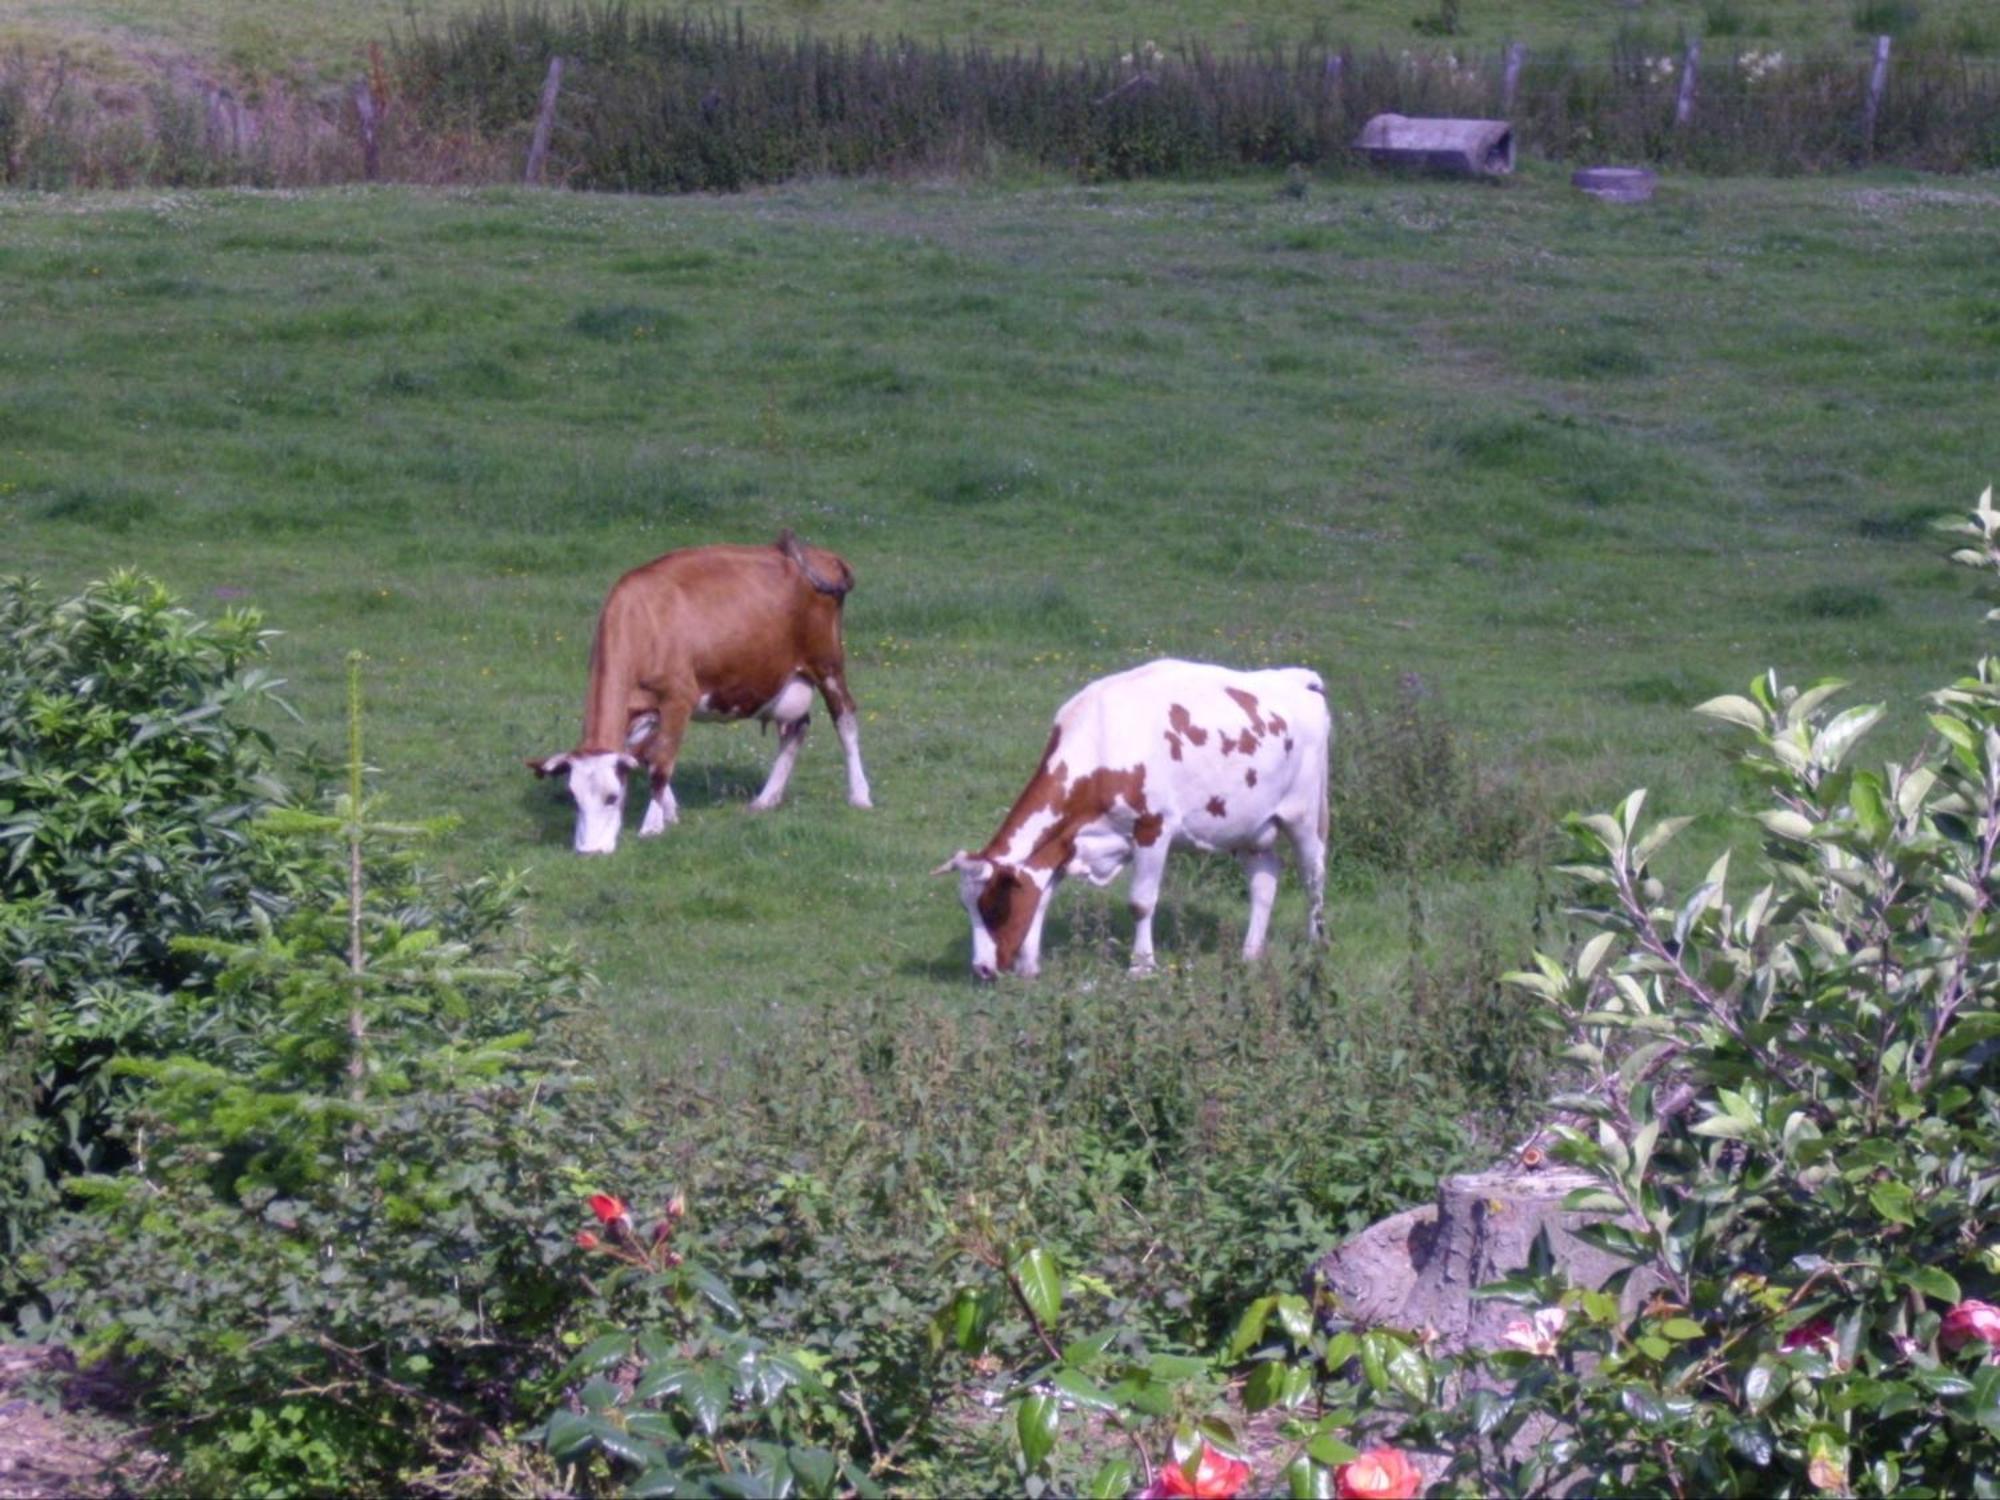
58 1437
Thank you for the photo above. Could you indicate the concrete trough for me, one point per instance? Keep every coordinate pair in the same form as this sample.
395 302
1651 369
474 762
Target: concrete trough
1462 148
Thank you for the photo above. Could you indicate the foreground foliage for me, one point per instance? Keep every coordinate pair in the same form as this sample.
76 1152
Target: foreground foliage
1788 1099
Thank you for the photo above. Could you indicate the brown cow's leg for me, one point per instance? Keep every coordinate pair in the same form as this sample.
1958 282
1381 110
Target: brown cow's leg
791 735
846 724
659 754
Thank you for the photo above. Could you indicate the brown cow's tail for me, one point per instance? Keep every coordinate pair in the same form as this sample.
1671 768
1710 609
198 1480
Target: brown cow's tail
837 587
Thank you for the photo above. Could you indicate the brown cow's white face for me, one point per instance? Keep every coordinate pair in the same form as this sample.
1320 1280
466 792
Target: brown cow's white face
1005 903
597 783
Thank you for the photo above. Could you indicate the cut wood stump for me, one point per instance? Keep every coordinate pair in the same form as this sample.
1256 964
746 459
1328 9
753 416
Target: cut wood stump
1419 1269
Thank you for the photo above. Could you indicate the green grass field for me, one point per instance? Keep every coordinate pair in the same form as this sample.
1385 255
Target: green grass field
293 38
1575 467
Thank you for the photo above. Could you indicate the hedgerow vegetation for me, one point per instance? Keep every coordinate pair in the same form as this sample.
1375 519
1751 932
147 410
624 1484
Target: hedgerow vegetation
659 102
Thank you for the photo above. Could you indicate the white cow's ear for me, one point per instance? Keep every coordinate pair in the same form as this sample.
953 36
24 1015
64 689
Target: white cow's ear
550 766
627 764
962 861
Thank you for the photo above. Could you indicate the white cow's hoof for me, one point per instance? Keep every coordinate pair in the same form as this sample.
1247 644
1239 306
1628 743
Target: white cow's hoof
655 823
861 802
1142 969
762 804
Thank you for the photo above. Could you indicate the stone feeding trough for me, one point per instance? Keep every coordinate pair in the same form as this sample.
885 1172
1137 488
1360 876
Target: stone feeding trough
1461 148
1615 184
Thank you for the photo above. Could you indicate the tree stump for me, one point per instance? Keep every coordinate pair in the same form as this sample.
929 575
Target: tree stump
1419 1269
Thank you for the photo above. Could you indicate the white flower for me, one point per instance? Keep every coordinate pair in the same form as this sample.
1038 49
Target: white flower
1536 1335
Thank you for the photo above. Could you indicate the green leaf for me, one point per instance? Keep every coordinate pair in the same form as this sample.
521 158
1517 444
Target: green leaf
1934 1282
1036 1423
1331 1451
1083 1391
600 1354
1250 1328
1894 1202
1306 1480
1786 823
1682 1329
1734 710
1034 1270
706 1394
569 1436
1295 1317
1111 1480
1754 1442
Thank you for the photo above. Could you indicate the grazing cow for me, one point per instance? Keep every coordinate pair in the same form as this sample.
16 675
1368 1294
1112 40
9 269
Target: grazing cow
707 633
1174 752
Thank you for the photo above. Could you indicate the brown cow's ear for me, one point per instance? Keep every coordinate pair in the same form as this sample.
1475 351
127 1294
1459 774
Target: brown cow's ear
550 765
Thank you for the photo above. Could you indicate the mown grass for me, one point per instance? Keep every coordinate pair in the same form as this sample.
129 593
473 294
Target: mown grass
296 39
1551 469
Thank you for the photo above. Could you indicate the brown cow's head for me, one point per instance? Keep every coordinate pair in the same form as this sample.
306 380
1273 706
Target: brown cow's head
1005 903
597 782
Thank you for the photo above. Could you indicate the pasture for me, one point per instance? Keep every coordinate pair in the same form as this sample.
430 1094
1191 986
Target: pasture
296 40
1553 470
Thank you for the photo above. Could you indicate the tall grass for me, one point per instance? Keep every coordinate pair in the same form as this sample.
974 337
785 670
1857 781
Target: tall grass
681 103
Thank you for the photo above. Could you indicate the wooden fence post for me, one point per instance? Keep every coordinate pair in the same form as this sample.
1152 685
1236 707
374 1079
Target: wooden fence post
545 121
1684 105
1510 75
371 120
1877 77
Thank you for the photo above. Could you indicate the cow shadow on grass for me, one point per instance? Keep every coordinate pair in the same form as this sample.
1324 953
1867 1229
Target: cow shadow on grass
698 786
1098 929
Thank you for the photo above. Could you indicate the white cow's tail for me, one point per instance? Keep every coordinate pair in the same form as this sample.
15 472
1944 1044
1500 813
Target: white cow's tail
789 545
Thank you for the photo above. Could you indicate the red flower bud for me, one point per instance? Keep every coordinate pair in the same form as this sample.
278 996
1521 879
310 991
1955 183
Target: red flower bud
586 1240
1817 1333
1378 1474
1968 1321
676 1206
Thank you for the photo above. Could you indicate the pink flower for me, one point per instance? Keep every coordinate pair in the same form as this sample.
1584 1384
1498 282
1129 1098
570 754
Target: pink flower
1536 1335
1968 1321
1817 1335
586 1240
1216 1476
1379 1474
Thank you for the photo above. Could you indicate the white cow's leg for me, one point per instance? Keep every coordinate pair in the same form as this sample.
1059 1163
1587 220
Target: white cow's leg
1029 962
791 735
1149 867
849 730
1310 850
1262 868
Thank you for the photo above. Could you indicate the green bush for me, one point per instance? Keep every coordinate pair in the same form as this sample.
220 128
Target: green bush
337 1239
131 780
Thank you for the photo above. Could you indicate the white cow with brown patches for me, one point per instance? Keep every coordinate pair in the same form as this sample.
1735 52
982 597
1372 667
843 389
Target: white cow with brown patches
707 633
1174 752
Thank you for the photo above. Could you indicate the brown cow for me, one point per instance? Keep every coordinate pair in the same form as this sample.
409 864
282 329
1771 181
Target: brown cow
707 633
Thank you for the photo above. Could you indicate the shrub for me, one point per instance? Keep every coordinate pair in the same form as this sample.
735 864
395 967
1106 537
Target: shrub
336 1248
131 779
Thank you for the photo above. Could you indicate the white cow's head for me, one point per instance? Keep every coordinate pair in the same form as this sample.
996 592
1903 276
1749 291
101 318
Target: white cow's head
1005 903
597 782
